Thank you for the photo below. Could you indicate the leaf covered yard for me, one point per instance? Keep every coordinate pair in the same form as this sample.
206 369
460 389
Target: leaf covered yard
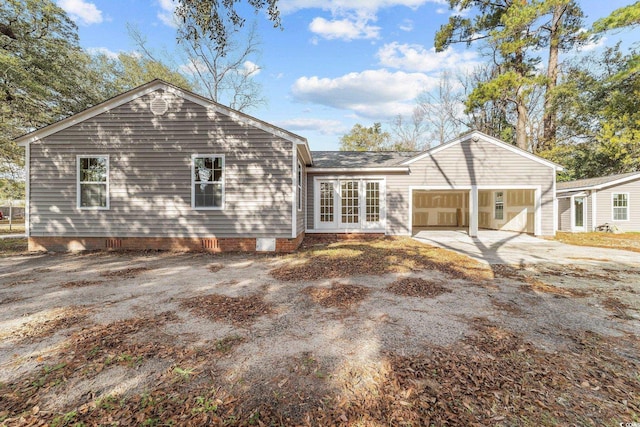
380 332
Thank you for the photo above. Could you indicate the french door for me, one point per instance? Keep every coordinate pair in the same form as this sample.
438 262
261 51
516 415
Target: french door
350 204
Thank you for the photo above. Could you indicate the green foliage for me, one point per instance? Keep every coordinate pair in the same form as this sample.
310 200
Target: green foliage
626 16
515 31
128 71
362 138
217 19
599 101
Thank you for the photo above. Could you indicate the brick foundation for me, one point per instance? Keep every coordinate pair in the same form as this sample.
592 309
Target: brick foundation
180 244
346 236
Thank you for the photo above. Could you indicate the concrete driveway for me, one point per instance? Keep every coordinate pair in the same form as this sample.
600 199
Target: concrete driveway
503 247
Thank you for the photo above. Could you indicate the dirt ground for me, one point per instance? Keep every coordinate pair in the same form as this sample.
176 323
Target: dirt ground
193 339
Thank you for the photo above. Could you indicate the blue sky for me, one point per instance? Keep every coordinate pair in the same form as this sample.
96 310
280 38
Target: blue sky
334 64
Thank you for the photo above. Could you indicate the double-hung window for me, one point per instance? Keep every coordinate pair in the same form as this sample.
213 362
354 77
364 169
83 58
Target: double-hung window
620 202
498 211
207 181
93 182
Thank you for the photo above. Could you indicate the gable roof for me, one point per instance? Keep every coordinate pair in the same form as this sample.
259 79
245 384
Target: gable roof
148 88
477 135
360 159
596 183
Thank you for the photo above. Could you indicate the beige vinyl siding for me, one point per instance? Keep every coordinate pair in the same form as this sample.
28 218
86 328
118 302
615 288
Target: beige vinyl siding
564 214
604 206
150 175
465 164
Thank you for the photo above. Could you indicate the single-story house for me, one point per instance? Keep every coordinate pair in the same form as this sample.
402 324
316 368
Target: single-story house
586 204
159 167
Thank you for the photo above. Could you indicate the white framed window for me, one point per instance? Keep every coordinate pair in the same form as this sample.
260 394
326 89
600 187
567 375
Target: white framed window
498 207
207 181
93 182
620 206
299 195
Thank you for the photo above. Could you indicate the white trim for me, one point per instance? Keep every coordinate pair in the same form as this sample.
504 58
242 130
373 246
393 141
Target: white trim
193 182
628 206
575 228
474 136
555 208
594 211
601 186
299 181
27 191
294 193
537 216
313 170
474 211
78 183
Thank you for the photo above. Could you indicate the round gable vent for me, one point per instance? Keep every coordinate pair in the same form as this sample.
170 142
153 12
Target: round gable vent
159 105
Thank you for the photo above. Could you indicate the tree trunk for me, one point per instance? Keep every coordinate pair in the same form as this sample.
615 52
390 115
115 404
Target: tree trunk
521 126
549 125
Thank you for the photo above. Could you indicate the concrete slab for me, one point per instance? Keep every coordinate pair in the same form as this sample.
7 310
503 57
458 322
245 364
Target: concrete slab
504 247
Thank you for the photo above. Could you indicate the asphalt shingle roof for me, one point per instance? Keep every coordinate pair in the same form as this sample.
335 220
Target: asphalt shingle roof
593 182
360 159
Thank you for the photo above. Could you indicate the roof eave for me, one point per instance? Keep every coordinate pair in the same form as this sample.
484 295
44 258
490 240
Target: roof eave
358 170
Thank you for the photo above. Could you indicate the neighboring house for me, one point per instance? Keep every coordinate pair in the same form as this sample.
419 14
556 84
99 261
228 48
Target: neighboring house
162 168
586 204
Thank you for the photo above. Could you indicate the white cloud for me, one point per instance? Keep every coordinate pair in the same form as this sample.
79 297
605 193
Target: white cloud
369 6
414 57
192 67
325 127
251 68
407 25
167 13
103 51
81 11
344 29
371 93
592 43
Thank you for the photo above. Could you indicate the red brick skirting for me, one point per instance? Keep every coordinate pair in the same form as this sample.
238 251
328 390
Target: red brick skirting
206 244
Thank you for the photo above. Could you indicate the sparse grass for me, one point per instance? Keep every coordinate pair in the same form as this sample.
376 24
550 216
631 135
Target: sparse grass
344 258
17 226
624 241
9 247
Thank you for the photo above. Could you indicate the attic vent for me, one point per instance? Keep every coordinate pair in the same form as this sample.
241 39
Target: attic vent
159 105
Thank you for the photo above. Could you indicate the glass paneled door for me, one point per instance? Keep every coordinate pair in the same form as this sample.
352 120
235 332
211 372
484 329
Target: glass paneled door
578 213
350 204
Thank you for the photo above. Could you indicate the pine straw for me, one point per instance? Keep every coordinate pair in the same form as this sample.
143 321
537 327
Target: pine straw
81 283
339 295
492 378
214 268
345 258
617 307
238 310
496 378
537 285
127 273
417 287
48 323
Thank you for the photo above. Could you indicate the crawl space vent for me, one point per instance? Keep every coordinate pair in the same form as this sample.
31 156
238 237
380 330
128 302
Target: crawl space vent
159 105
